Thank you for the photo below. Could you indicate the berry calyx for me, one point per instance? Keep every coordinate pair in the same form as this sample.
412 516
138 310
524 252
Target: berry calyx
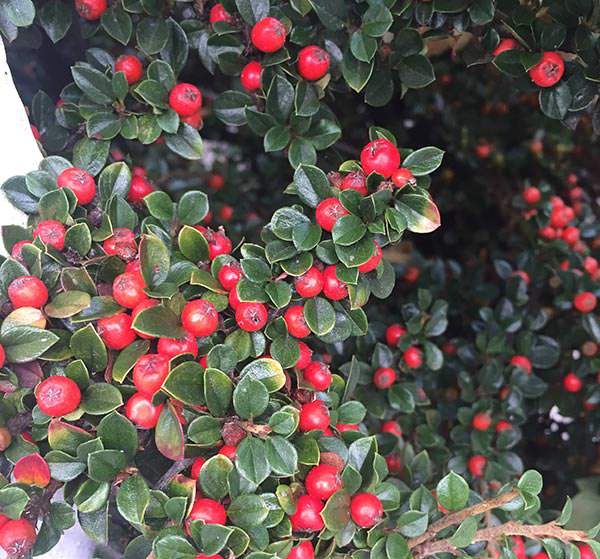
200 318
393 334
313 63
116 331
122 244
185 99
476 465
522 363
209 511
310 283
91 10
51 232
384 377
314 416
80 182
323 481
139 188
251 76
548 71
333 287
219 13
585 302
366 510
307 517
372 262
128 290
57 396
402 177
481 421
27 291
572 383
328 211
268 35
295 321
251 317
380 156
131 66
413 357
141 411
150 372
318 375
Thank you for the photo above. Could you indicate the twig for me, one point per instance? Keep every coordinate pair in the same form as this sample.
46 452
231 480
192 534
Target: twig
176 468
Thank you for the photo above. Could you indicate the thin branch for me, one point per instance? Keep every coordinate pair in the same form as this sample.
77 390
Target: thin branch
175 469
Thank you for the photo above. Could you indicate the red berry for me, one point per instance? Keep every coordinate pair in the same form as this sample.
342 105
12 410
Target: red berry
57 396
200 318
142 412
476 465
481 421
305 356
185 99
131 66
128 290
392 427
304 550
50 232
572 383
3 355
366 510
318 375
146 304
570 235
333 288
523 275
345 427
233 299
216 181
116 331
268 35
17 537
522 363
307 517
209 511
150 372
122 244
91 9
194 120
561 216
547 233
412 274
384 377
585 551
584 302
228 450
171 347
313 63
504 45
393 334
219 13
328 211
380 156
218 243
402 177
251 76
532 195
196 467
295 321
323 481
140 188
519 547
226 213
3 520
503 426
548 71
229 275
310 283
17 250
394 463
413 357
590 265
80 182
27 291
251 317
314 415
355 181
372 262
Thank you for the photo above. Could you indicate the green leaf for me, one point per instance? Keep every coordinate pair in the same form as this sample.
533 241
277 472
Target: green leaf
356 72
55 18
101 398
336 513
280 99
312 185
250 398
282 456
555 101
187 143
319 315
424 161
104 465
413 523
251 460
152 34
19 12
230 107
218 391
127 359
531 482
416 71
252 11
118 433
464 533
174 547
452 492
67 304
87 346
25 343
117 24
158 321
133 499
332 13
348 229
376 20
93 83
247 511
168 434
155 260
214 475
192 207
420 212
13 501
268 371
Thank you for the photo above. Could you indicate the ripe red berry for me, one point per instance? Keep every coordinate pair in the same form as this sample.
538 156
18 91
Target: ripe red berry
218 243
219 13
251 317
140 187
3 355
216 181
523 275
116 331
522 363
314 415
572 383
295 321
503 425
150 372
304 550
328 211
131 66
122 244
51 232
548 71
251 76
392 427
323 481
171 347
196 467
209 511
355 181
481 421
532 195
413 357
372 262
80 182
185 99
476 465
394 463
228 450
318 375
128 290
561 216
366 510
333 288
194 120
307 517
233 299
57 396
91 9
585 551
17 537
393 334
142 412
27 291
380 156
268 35
310 283
345 427
313 63
384 377
547 233
504 45
305 356
229 275
402 177
200 318
584 302
518 547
